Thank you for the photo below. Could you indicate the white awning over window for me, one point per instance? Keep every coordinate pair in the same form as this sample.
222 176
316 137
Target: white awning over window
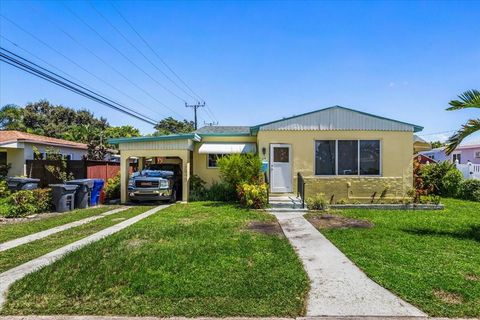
224 148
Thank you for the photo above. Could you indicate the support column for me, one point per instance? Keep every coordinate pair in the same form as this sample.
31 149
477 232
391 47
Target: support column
124 175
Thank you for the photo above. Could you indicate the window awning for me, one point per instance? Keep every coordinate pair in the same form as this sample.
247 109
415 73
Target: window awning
224 148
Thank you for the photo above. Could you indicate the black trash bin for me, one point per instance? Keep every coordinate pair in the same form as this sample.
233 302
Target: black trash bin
63 196
16 184
83 193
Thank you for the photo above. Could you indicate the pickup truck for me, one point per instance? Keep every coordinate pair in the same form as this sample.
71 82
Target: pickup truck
157 182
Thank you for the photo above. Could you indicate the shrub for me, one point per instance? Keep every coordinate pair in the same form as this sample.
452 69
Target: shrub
253 195
4 191
317 202
236 169
470 190
220 192
197 188
26 202
442 178
430 199
112 187
4 168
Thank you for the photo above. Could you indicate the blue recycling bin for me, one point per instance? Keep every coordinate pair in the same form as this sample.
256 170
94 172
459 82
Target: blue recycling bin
97 188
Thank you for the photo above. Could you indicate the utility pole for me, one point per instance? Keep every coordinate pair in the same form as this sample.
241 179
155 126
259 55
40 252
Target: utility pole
210 124
195 107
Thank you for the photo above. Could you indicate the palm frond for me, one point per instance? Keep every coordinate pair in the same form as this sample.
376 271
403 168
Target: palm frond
468 99
467 129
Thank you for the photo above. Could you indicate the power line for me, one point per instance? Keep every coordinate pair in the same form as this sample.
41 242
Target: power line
43 73
110 66
56 68
138 50
124 56
78 65
160 58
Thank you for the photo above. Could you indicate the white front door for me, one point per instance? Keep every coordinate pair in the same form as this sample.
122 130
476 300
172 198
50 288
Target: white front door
280 168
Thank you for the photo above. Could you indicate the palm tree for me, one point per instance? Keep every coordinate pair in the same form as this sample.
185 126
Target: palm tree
468 99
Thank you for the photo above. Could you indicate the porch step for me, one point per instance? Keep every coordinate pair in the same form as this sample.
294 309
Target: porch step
287 202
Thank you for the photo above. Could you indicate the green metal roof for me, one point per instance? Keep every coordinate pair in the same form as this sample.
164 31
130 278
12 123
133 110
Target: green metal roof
416 128
224 131
180 136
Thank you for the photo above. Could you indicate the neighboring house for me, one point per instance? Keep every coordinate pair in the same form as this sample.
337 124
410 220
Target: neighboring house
463 153
420 145
16 147
341 152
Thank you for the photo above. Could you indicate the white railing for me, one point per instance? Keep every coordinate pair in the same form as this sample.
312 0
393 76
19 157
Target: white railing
469 170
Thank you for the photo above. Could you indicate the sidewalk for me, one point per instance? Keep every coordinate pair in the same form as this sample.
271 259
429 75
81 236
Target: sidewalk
338 287
45 233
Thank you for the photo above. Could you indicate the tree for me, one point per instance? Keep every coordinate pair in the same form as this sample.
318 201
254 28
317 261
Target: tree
171 126
122 132
11 117
436 144
62 122
468 99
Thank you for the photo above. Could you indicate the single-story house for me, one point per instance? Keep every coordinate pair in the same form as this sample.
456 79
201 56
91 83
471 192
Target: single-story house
420 145
464 153
17 147
344 153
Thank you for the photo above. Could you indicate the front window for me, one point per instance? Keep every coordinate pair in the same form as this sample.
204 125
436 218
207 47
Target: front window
3 158
347 157
325 157
457 156
347 151
212 159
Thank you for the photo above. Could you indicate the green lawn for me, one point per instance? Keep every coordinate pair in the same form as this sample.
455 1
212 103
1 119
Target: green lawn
21 254
16 230
429 258
196 259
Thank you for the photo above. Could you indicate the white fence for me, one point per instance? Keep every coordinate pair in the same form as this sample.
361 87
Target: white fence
469 170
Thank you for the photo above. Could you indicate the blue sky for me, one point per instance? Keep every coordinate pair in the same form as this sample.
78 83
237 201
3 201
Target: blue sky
257 61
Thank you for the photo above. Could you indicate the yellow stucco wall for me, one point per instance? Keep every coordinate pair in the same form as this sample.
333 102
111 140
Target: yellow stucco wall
396 162
209 175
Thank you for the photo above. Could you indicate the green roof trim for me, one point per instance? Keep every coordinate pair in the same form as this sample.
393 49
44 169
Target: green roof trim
416 128
180 136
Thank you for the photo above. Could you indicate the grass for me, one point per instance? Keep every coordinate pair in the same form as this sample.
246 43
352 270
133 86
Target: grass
21 254
429 258
12 231
196 259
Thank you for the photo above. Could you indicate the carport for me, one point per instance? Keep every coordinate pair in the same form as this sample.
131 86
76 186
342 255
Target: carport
179 146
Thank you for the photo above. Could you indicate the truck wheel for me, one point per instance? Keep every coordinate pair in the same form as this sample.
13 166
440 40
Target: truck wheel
173 197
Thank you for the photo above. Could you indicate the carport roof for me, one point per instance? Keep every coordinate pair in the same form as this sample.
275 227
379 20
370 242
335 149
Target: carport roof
180 136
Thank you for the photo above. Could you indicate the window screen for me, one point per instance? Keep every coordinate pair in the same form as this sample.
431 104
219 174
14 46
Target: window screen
212 159
347 157
325 157
280 154
370 157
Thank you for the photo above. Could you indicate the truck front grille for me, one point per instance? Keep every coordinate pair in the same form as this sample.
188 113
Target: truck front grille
146 184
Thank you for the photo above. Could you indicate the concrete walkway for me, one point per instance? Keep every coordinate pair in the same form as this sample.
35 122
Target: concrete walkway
45 233
338 287
8 277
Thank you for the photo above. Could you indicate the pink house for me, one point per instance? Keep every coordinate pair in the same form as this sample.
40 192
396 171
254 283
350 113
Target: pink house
464 153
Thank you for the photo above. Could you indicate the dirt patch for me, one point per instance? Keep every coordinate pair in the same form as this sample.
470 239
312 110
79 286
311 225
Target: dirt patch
448 297
331 221
118 219
472 277
271 228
